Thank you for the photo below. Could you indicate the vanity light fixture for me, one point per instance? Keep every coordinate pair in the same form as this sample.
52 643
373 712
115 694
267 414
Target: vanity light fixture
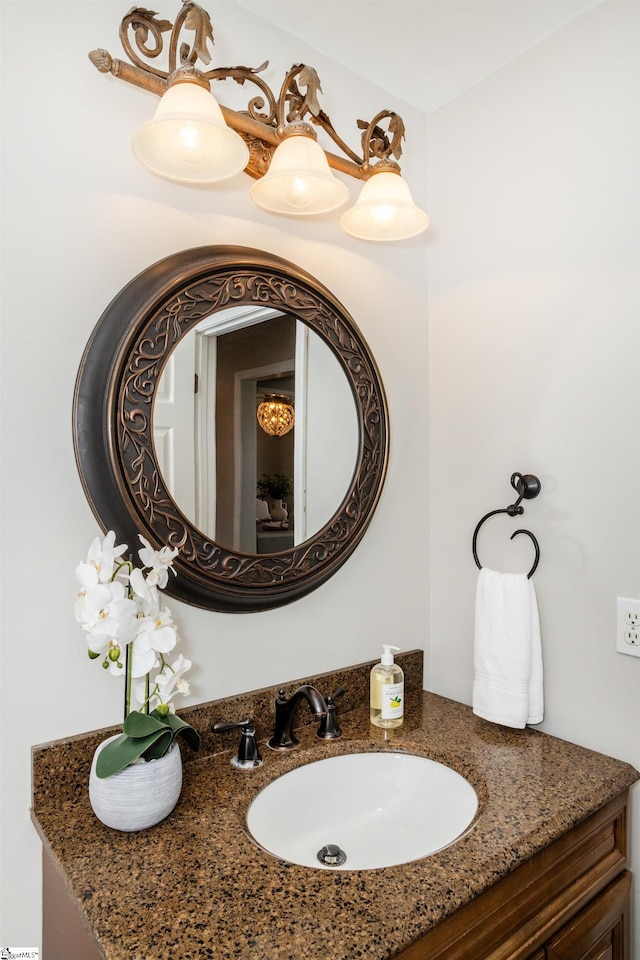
276 415
194 139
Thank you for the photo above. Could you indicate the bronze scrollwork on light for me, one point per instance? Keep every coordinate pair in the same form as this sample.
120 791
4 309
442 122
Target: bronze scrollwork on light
263 122
113 426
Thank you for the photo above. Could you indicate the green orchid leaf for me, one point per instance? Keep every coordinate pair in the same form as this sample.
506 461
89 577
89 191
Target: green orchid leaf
191 736
142 724
149 736
182 728
124 750
160 746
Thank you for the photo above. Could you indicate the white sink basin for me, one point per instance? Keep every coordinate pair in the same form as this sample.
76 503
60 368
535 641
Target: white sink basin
380 809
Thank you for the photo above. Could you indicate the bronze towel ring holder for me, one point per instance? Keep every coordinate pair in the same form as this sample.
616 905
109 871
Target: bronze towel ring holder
527 486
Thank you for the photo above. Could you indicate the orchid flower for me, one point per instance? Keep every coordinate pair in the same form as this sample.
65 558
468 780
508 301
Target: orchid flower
168 683
171 681
119 608
144 592
102 556
159 562
109 619
105 608
92 597
152 637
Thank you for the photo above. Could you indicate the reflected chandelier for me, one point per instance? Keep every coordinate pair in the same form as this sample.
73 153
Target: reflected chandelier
194 139
276 415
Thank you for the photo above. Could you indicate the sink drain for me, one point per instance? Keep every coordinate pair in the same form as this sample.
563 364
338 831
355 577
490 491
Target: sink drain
331 855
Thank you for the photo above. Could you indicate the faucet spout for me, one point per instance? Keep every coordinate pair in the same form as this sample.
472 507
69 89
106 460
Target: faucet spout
283 737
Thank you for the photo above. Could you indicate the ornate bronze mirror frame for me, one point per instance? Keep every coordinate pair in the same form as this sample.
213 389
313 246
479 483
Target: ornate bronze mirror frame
113 414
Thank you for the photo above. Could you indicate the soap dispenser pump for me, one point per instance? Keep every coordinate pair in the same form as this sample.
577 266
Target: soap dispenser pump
387 691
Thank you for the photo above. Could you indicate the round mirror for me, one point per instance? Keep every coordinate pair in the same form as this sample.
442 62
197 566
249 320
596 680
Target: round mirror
227 405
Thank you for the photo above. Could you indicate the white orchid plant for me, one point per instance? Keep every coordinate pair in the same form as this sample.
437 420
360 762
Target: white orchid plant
120 608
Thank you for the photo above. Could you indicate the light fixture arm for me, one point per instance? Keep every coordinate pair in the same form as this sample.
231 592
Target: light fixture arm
192 17
323 121
154 81
302 104
298 104
255 107
263 123
144 26
376 144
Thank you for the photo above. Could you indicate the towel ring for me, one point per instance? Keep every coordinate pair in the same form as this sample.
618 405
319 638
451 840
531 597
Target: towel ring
527 487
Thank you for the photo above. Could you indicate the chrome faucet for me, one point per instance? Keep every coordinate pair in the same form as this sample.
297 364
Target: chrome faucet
283 737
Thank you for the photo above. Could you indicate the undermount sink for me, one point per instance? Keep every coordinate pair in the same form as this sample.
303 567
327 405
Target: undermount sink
362 811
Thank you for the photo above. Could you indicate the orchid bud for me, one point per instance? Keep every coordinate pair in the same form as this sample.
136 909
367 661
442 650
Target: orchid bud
162 709
93 655
114 654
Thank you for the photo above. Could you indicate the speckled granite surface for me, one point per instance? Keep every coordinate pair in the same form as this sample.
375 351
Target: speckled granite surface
196 886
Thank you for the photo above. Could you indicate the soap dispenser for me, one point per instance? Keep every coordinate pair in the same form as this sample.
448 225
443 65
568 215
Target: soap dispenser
387 691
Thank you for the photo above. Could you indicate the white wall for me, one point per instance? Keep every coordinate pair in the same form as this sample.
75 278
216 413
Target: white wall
81 218
533 197
534 353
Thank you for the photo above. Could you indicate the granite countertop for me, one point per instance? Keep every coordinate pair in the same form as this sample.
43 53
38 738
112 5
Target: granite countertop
197 886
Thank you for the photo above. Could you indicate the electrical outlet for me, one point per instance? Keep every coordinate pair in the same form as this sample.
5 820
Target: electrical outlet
628 627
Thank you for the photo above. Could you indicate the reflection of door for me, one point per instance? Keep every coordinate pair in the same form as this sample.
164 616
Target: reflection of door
173 426
245 354
213 448
205 433
245 450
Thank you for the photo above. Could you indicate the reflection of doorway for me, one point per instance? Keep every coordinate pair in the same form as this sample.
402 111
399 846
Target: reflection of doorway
173 427
256 454
200 470
246 358
276 454
209 449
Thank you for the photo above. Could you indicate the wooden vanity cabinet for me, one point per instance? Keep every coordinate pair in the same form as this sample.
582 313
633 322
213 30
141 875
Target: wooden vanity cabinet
571 901
598 932
65 934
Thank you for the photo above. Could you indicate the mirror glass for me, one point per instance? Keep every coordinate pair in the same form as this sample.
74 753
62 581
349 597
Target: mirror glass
230 477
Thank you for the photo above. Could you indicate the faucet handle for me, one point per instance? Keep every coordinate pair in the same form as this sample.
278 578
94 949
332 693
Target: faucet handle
248 755
329 728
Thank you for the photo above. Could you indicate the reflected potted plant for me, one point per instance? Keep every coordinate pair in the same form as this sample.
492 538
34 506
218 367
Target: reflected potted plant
276 487
136 777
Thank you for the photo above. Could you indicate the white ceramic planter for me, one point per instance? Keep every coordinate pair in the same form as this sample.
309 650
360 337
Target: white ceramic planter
139 796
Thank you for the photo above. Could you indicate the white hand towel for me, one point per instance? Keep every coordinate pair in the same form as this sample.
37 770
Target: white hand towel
507 684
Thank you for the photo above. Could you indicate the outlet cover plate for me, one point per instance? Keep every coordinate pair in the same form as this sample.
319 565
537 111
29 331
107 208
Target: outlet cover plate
628 627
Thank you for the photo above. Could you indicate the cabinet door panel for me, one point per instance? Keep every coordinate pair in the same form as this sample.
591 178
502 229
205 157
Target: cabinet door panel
600 931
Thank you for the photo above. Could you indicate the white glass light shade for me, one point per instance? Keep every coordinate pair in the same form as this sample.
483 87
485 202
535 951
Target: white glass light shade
299 181
384 211
188 140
